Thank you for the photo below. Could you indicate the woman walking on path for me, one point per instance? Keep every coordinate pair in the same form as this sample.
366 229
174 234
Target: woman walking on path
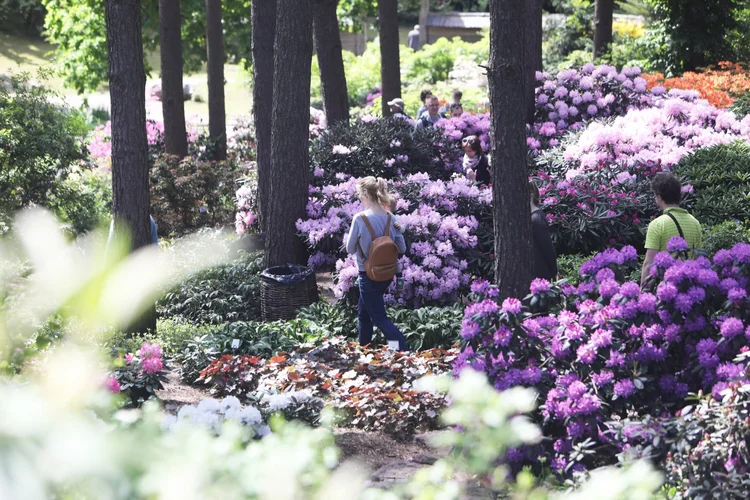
373 224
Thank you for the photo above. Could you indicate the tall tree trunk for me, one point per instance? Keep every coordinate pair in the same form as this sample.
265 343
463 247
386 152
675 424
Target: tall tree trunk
127 90
172 94
290 132
533 52
217 118
424 11
510 187
390 66
603 12
328 47
264 31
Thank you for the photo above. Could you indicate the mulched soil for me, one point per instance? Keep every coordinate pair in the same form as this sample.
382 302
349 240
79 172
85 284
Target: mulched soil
370 449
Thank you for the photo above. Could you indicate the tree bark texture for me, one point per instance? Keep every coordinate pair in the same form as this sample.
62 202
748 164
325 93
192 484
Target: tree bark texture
264 29
424 11
390 66
172 94
603 12
217 126
533 53
289 132
328 47
127 89
512 220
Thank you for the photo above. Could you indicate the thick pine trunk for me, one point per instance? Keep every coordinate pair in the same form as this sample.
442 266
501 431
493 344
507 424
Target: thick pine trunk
289 132
172 95
424 11
264 29
512 220
533 52
390 66
127 89
330 60
217 126
603 12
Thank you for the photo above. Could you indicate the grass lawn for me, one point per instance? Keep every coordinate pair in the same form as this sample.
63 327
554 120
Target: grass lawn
19 53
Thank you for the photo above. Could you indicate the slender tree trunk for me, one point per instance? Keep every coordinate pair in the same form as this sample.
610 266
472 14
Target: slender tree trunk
533 53
127 90
172 94
330 60
217 119
510 190
290 131
603 12
424 11
390 66
264 30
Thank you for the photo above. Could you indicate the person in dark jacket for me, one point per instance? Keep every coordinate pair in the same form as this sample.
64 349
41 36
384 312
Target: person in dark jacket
545 257
475 163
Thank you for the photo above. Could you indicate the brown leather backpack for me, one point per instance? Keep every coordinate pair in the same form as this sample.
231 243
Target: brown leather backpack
382 263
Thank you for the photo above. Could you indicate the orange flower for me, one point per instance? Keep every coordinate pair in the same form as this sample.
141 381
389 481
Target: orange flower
720 87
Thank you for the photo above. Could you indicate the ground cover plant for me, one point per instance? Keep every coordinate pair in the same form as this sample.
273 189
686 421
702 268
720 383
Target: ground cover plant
372 388
608 349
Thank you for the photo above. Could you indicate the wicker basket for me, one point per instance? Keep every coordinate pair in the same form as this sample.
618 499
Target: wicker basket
285 289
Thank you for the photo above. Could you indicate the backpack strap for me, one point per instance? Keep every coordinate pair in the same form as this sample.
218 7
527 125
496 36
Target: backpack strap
369 226
674 219
370 229
388 225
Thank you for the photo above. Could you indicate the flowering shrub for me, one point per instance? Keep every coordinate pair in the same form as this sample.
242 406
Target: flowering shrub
100 141
704 447
138 375
719 87
438 220
573 96
612 350
187 193
246 198
381 147
372 388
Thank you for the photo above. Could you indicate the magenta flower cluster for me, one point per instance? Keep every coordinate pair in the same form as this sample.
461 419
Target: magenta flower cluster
609 350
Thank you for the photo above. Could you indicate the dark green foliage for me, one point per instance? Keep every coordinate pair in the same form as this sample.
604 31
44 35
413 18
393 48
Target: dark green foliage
23 16
425 328
187 194
83 201
256 338
41 144
741 106
371 145
569 266
219 295
576 35
721 178
691 35
724 236
429 327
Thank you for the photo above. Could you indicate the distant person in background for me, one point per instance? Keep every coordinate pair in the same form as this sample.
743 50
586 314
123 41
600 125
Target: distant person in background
423 97
397 108
414 39
545 256
476 165
675 221
456 110
431 116
457 96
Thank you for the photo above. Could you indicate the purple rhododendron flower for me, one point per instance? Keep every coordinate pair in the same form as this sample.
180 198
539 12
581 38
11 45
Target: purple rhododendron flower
511 306
624 388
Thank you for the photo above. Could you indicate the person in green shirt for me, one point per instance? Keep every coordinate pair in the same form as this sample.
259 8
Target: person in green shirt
675 221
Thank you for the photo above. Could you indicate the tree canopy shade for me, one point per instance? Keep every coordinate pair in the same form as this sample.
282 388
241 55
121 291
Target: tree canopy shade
77 29
510 190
